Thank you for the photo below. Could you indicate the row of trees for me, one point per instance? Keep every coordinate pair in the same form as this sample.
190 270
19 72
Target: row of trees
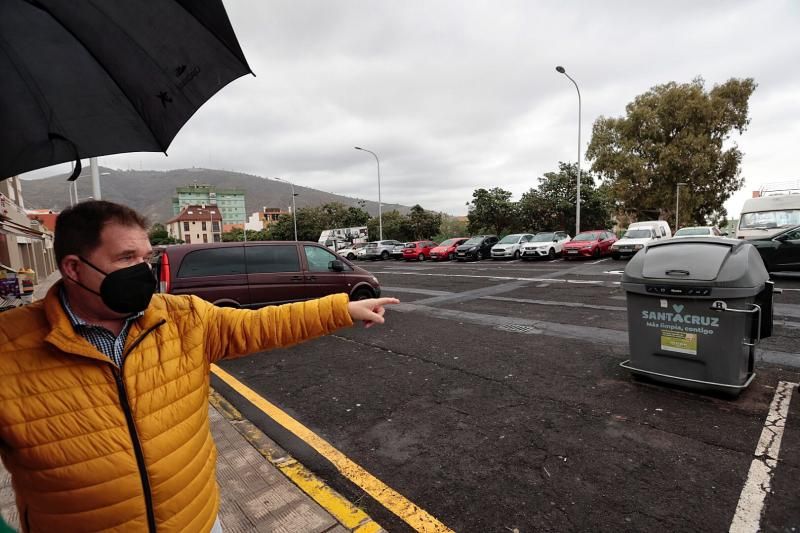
674 133
417 224
549 207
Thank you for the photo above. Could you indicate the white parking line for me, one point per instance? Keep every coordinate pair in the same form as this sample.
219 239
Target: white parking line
759 479
595 262
494 278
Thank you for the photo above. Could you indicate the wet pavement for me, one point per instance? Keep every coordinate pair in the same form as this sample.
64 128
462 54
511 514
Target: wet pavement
493 399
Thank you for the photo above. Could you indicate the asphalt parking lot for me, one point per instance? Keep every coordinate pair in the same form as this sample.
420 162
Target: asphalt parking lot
493 399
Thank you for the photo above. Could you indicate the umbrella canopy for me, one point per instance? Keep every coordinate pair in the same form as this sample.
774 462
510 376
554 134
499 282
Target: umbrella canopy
82 78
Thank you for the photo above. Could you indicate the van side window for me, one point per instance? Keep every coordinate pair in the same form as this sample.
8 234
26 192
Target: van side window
319 259
272 258
213 262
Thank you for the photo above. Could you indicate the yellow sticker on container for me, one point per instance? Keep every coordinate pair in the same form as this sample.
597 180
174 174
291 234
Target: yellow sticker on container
678 341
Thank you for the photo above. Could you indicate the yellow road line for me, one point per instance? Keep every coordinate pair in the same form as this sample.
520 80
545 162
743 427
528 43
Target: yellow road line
407 511
350 516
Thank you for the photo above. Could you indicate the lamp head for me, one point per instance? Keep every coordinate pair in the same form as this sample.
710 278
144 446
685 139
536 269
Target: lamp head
357 147
560 70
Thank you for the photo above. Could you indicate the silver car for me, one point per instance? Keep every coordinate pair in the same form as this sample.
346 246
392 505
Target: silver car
380 249
509 246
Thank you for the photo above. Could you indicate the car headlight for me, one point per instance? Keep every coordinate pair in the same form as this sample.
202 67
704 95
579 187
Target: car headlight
473 248
638 246
375 280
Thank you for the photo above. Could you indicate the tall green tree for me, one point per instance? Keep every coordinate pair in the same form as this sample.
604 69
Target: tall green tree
551 206
309 226
311 221
451 227
674 133
491 210
337 215
158 235
237 235
393 226
420 224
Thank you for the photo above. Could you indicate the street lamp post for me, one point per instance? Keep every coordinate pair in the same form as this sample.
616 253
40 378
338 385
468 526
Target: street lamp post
72 186
294 211
563 71
678 201
95 178
211 215
380 219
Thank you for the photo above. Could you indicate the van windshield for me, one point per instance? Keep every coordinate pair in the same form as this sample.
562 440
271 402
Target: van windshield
769 219
687 232
638 234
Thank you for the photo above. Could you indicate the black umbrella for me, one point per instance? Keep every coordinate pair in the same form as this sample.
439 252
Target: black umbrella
82 78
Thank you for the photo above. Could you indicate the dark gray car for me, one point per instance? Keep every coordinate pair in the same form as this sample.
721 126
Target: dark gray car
476 248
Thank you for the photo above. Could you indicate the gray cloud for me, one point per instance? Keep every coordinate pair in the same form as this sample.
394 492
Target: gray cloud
458 95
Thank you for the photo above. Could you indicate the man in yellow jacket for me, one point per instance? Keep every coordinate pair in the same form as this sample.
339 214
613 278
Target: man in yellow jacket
104 385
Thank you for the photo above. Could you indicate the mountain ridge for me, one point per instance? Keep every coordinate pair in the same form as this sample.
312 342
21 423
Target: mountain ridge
150 192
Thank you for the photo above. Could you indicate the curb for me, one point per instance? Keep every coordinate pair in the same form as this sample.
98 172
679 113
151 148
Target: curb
348 515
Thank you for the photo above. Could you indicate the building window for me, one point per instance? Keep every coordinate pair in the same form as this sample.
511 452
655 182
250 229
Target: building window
187 239
215 226
204 225
205 237
185 226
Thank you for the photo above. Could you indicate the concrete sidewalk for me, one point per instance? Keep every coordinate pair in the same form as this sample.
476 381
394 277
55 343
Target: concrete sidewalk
254 494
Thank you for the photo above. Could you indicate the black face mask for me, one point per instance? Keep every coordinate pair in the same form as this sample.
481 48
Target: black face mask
127 290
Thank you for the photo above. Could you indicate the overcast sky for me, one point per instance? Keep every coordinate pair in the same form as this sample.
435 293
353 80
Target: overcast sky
456 95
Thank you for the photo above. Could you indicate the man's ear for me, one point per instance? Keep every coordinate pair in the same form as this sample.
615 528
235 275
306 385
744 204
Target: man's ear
69 266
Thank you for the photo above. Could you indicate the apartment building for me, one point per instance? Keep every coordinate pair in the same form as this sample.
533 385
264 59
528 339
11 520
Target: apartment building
197 223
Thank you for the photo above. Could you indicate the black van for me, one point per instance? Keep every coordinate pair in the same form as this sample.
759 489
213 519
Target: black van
254 274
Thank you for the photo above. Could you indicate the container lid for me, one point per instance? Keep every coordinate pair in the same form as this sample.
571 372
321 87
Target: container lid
712 261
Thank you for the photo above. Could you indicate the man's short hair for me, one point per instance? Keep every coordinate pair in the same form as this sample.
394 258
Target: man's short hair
78 227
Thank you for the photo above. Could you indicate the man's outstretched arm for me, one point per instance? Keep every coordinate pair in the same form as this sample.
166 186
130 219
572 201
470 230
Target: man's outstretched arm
235 332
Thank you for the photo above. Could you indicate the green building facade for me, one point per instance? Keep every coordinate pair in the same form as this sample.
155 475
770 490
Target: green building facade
229 201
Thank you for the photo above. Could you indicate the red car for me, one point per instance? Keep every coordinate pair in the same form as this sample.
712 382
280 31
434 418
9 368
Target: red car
446 251
593 243
418 250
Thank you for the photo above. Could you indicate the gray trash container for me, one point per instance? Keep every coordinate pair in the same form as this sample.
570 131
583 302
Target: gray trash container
696 309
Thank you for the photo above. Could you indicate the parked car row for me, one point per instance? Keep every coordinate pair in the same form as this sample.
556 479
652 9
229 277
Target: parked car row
780 251
515 246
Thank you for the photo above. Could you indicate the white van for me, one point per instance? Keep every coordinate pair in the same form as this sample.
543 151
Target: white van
638 235
767 215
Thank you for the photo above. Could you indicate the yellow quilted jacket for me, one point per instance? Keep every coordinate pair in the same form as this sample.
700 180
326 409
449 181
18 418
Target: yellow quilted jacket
92 447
